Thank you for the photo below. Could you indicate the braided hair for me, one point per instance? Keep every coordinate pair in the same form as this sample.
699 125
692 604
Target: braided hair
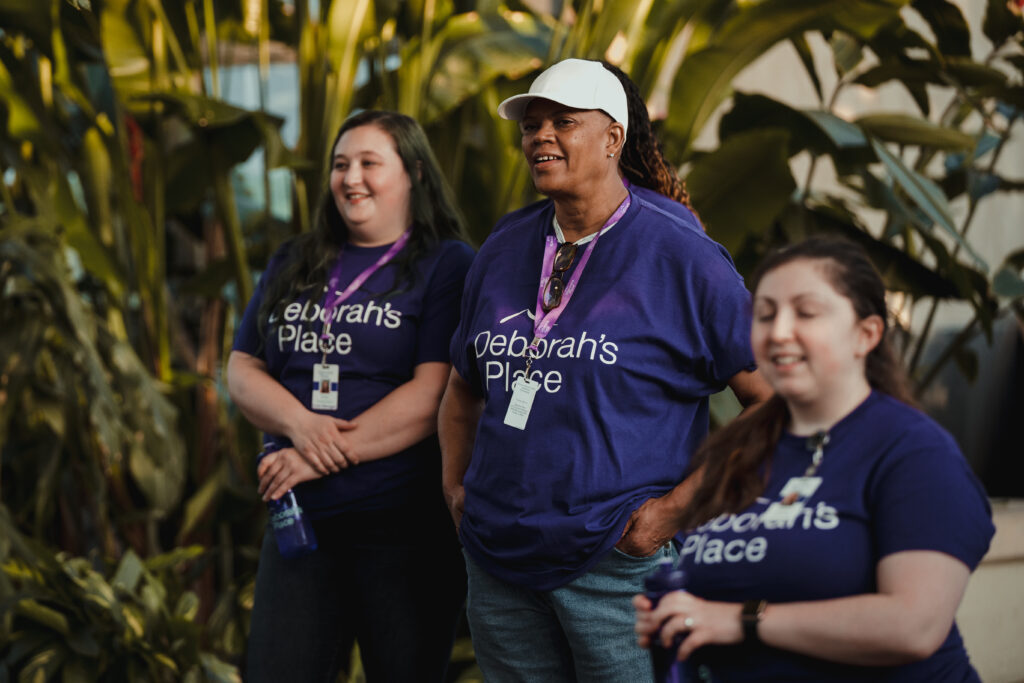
642 161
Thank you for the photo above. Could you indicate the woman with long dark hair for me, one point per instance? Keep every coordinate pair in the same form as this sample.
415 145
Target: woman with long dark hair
835 527
341 359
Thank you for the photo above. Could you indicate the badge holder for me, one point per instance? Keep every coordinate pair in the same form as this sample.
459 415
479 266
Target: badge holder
798 489
524 390
325 383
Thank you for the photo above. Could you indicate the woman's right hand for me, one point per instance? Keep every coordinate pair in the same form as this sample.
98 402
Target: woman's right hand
679 613
280 471
273 409
322 442
456 499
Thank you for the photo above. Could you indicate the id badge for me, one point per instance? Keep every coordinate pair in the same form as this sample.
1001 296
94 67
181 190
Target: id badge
799 489
325 386
523 391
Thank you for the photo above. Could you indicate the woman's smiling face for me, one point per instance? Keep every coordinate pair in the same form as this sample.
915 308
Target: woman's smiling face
370 185
566 149
807 339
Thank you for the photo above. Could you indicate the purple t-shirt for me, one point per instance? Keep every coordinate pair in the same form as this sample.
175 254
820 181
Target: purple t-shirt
377 342
892 480
660 320
671 206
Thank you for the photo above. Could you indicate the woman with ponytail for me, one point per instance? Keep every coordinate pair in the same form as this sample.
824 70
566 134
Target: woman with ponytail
835 527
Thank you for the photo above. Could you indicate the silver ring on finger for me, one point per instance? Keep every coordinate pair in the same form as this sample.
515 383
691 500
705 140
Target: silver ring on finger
689 622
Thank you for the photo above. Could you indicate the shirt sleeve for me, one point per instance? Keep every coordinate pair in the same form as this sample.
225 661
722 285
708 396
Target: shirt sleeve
460 353
727 314
442 303
247 336
717 317
924 496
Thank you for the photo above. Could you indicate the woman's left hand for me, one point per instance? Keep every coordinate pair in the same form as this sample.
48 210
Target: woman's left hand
681 613
281 470
648 529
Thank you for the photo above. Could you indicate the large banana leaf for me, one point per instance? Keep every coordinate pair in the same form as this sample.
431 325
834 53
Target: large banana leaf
704 79
741 188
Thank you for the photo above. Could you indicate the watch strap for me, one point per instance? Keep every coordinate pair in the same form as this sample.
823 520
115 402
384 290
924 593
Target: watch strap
750 617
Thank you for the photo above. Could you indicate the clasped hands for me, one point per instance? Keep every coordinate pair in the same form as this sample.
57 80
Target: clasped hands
321 445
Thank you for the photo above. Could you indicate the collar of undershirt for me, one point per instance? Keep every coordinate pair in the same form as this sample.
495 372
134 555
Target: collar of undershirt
580 242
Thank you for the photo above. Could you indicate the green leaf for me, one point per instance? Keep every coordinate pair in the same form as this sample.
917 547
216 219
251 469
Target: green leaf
129 572
199 506
815 130
166 661
704 79
753 165
1008 94
187 607
1016 60
22 122
972 285
486 48
174 558
842 133
964 71
1016 260
724 406
901 272
217 670
83 641
1000 23
43 666
41 614
1008 284
948 25
911 130
926 195
134 622
846 51
95 588
755 112
803 50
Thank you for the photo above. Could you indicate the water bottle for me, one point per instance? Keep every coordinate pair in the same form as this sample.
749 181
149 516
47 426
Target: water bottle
292 528
665 578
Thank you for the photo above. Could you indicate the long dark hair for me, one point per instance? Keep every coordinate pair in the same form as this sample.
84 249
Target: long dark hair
435 217
642 161
737 457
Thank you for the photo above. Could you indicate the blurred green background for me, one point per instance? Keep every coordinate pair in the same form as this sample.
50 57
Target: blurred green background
153 153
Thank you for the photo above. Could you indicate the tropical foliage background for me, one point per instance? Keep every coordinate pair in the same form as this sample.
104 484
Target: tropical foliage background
128 515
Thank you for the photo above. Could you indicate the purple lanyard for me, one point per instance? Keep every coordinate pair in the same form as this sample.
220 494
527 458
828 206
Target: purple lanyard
332 301
543 322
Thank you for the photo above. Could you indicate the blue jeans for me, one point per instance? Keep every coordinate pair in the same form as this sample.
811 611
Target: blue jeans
392 580
580 632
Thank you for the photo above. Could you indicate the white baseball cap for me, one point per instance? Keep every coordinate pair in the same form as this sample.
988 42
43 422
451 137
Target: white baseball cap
576 83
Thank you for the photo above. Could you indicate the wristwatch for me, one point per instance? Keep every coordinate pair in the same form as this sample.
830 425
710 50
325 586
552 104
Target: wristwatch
750 617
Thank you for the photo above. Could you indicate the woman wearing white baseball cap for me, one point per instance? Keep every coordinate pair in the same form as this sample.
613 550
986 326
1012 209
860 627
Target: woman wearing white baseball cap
594 327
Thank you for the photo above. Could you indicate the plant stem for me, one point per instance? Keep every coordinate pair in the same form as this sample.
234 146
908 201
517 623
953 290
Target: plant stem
972 209
946 354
